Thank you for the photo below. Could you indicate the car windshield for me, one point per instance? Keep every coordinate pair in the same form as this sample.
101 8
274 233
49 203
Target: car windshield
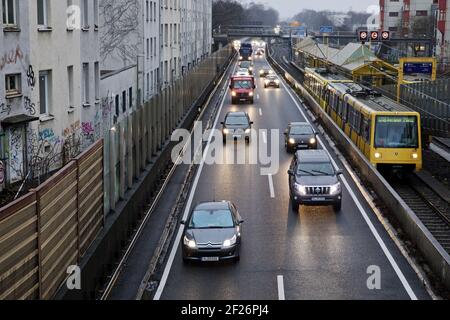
272 78
211 219
236 120
245 65
396 132
242 84
315 169
301 130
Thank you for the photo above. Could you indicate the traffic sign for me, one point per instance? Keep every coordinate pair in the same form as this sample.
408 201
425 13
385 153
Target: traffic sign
374 36
385 35
418 67
363 36
298 32
326 29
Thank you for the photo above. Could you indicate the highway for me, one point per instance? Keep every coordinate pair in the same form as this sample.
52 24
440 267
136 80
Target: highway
313 254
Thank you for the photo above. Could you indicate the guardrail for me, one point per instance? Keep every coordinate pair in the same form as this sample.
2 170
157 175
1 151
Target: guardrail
432 251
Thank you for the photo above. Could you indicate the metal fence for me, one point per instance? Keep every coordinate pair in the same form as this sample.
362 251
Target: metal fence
50 228
430 99
132 143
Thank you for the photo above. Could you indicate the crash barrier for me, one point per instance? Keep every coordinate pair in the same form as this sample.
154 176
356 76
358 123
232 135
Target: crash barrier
437 258
50 228
134 142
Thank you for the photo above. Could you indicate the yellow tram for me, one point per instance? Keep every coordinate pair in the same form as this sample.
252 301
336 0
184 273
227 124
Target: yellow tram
386 132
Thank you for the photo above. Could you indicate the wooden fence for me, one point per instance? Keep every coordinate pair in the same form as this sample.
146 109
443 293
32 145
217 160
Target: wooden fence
51 228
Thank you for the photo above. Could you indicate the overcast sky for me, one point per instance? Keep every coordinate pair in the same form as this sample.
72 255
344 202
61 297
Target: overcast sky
288 8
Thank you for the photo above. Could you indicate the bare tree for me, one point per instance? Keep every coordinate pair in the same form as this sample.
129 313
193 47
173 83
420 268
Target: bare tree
120 34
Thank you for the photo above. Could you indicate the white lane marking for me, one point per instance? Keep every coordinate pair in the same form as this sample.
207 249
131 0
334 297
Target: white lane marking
280 284
375 233
260 112
174 250
264 136
271 188
257 96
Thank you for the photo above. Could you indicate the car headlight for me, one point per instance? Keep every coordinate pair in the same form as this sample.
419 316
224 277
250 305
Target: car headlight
312 140
277 81
189 242
251 68
226 131
230 242
301 189
266 82
377 155
248 130
415 156
335 189
240 58
250 94
233 93
291 140
261 71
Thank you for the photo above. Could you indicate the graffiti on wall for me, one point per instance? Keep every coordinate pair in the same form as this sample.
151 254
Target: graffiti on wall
88 132
5 109
16 153
11 57
30 107
31 80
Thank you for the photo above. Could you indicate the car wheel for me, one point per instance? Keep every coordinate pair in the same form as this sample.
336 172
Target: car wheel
295 206
237 258
185 260
247 140
224 139
337 207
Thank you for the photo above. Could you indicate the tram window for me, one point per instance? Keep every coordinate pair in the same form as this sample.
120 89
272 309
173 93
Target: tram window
366 129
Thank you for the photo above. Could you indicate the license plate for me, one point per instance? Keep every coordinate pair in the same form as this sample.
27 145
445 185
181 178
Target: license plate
209 259
303 145
318 199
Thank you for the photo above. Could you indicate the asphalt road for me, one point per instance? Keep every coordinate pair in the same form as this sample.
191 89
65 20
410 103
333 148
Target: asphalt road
318 254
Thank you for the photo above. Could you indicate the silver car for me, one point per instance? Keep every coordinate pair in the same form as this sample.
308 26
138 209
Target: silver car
237 126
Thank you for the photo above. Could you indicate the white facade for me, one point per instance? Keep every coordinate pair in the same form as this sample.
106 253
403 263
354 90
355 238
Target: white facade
52 47
170 40
196 25
443 34
398 14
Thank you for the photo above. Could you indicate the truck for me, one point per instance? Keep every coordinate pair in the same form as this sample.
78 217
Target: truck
242 89
246 52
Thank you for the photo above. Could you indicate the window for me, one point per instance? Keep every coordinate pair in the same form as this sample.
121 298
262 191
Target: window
85 14
421 13
124 101
393 14
148 85
96 14
9 12
13 84
70 84
148 48
86 83
117 105
97 80
44 89
130 97
393 29
42 13
147 10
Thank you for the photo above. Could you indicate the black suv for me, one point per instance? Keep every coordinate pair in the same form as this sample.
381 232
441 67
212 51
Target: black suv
237 126
313 180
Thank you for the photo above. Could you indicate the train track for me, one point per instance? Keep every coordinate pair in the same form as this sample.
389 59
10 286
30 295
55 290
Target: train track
429 207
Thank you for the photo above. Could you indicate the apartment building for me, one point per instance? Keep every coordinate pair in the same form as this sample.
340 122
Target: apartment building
399 16
130 54
49 84
170 41
443 34
196 28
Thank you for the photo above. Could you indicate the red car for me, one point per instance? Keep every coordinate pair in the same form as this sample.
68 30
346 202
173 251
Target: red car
242 89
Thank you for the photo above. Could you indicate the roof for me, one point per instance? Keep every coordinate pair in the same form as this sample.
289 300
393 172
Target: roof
368 100
353 56
17 119
300 124
312 156
222 205
236 114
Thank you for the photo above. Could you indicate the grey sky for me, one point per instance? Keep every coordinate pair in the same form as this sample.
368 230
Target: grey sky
287 8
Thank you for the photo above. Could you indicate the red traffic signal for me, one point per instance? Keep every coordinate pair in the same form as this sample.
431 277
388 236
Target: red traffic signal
385 35
374 35
363 36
